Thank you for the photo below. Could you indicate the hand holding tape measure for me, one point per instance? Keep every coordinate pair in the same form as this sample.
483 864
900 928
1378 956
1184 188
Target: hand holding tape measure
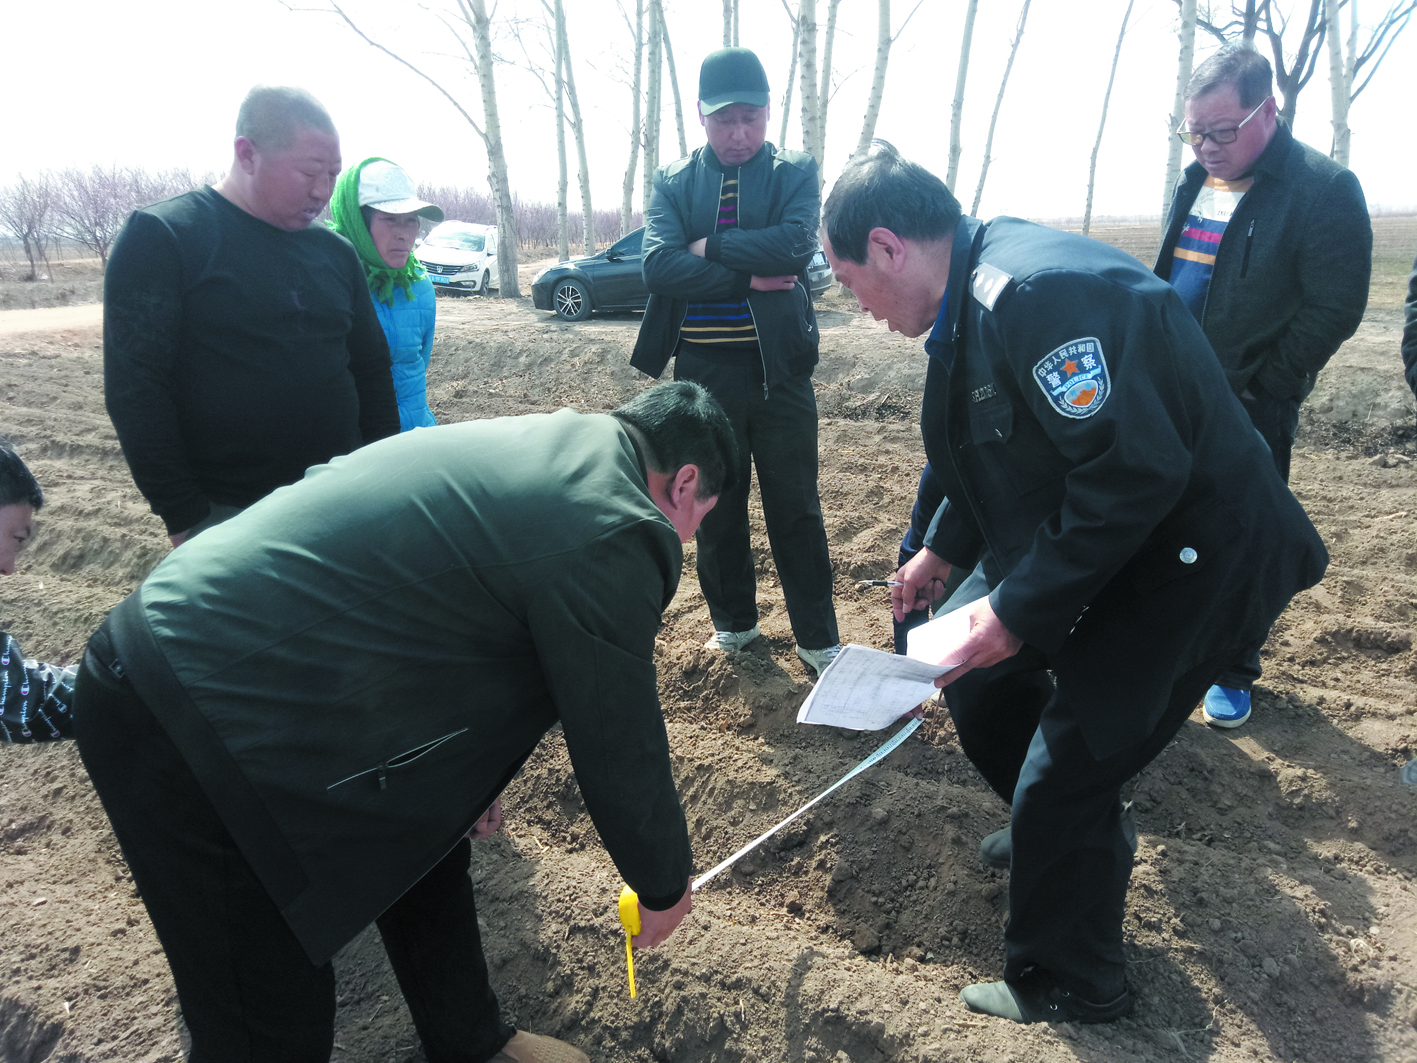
630 909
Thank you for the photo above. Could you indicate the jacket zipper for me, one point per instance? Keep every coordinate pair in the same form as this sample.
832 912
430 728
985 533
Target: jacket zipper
1249 239
397 761
753 317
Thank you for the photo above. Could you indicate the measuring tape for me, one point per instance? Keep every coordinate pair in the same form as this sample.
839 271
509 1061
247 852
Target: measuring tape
630 902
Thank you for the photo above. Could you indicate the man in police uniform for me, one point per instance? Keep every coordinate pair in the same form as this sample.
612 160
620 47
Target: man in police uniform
1126 529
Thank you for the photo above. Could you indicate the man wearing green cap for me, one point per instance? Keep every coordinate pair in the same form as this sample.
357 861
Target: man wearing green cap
729 233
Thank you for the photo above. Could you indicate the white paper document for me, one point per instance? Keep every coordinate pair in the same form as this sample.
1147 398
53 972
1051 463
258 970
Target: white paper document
868 689
934 640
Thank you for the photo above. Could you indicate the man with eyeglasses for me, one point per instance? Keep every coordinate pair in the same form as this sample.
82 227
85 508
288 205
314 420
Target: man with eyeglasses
1269 244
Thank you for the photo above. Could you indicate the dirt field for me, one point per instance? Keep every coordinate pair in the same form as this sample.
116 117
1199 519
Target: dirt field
1272 914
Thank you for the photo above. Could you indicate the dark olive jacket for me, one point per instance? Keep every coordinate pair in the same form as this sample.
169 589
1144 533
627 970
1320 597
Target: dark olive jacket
779 210
356 666
1291 272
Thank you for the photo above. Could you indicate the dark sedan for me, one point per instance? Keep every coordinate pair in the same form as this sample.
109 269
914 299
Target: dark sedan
612 280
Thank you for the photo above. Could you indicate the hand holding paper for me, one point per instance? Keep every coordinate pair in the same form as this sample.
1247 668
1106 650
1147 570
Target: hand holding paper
971 636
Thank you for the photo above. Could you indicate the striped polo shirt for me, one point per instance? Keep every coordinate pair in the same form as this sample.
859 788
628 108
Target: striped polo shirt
723 326
1194 260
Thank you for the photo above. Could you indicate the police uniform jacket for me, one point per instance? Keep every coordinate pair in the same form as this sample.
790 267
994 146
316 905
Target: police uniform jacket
1127 516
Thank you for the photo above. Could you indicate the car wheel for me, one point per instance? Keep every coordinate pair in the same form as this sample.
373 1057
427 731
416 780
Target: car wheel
483 285
571 300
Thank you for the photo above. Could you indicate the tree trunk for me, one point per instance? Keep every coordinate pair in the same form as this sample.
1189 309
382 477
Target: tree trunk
1184 62
993 120
475 13
627 189
957 107
587 213
728 23
791 74
563 238
807 72
1102 124
1289 81
674 84
824 94
1339 87
878 78
654 66
737 19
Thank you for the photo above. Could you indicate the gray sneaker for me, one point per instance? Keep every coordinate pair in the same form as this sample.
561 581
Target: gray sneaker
732 641
817 660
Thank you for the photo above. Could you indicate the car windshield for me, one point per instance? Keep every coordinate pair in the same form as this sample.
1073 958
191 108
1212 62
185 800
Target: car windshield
461 241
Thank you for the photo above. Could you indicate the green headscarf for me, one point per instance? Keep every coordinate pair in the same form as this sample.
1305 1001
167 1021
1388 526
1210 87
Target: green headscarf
349 223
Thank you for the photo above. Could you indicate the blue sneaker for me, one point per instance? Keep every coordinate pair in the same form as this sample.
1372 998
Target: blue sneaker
1226 706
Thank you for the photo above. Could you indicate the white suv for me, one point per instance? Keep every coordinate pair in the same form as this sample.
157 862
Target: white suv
460 256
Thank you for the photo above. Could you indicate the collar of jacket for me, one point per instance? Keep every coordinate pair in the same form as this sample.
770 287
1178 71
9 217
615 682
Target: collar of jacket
969 238
709 158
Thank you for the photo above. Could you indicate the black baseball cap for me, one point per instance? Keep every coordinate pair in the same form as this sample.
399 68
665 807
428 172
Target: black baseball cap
732 75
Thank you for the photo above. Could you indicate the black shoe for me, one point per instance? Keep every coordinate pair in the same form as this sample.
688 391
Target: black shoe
997 849
1040 1004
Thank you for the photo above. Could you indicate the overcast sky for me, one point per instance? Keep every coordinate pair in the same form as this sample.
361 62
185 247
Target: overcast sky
156 83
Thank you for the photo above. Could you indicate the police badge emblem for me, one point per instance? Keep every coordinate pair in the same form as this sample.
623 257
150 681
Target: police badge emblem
1074 378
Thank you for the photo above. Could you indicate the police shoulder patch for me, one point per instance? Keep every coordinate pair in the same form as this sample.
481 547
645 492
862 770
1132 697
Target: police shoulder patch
988 284
1074 377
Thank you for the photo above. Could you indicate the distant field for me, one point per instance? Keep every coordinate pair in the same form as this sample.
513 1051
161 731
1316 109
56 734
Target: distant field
78 280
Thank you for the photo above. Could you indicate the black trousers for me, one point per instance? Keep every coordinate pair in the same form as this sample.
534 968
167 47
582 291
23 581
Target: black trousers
777 435
249 993
1277 421
1071 859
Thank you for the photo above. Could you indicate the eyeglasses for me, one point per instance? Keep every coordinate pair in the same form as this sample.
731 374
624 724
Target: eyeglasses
1218 136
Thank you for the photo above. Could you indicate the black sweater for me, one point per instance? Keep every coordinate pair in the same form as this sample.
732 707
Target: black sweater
236 354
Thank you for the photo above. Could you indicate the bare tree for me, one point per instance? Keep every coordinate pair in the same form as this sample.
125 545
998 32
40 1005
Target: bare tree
728 20
25 213
674 84
627 189
90 206
791 73
1102 123
1380 40
884 40
807 75
957 107
1184 61
1295 65
824 93
578 128
558 34
472 19
1339 80
999 102
654 67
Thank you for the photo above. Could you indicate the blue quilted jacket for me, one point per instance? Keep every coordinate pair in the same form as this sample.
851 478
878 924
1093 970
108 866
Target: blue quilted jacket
408 324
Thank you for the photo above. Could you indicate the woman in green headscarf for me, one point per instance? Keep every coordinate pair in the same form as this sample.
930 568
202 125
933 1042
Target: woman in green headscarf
376 208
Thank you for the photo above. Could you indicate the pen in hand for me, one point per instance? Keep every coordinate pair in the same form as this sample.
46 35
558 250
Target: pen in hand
879 583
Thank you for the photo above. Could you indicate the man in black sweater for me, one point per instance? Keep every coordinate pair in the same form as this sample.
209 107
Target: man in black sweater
240 343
